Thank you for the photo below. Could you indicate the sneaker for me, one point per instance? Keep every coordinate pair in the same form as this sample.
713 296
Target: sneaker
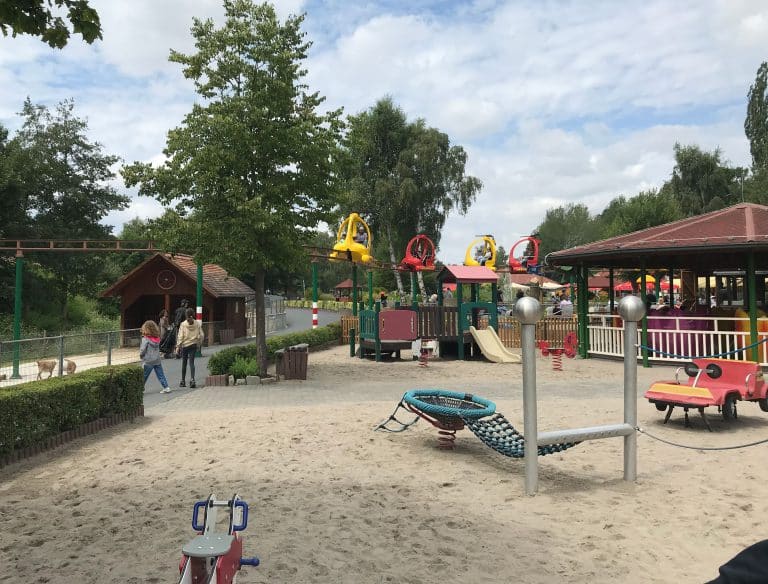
166 390
182 384
192 384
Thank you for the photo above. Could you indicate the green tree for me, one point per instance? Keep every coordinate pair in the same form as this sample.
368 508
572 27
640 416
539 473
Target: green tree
251 170
407 177
756 122
700 181
37 18
566 227
644 210
66 176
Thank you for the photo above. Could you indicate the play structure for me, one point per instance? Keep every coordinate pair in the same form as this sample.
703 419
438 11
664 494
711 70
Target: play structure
419 254
711 382
214 557
452 411
529 262
383 333
353 241
482 252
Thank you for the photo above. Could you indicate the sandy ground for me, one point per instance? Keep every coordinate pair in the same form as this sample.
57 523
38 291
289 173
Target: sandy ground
333 501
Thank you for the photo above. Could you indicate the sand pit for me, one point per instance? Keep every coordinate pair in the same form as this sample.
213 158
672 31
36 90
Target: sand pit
331 501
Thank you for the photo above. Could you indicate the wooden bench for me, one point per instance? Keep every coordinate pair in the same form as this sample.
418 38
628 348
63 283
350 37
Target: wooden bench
291 362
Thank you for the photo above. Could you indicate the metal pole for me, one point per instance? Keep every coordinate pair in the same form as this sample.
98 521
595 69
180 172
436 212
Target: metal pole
631 309
353 331
314 295
61 355
17 317
414 300
370 289
109 348
199 311
528 312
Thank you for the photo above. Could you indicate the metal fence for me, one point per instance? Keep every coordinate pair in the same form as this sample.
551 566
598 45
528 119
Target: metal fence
44 357
274 314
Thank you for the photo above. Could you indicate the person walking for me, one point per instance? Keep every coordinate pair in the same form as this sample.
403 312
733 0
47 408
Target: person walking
149 353
189 339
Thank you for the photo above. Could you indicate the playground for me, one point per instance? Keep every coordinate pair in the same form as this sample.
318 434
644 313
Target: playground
332 501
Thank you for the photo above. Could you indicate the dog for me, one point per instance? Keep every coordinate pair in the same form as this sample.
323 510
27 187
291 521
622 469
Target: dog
46 365
71 366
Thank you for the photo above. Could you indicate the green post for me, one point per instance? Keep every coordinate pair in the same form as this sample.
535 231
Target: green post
353 331
314 295
459 320
377 334
199 310
414 301
611 292
582 308
753 354
644 331
17 317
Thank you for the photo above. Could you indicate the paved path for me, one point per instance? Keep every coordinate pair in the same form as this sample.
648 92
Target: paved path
299 319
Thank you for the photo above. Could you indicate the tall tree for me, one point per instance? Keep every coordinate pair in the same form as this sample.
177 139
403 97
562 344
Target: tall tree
252 166
756 122
66 175
700 181
37 18
644 210
565 227
407 176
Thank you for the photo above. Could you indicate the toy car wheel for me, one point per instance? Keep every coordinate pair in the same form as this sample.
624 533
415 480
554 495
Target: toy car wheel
729 407
714 371
691 370
763 403
661 407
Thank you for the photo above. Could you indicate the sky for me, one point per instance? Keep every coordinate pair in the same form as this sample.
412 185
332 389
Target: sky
554 101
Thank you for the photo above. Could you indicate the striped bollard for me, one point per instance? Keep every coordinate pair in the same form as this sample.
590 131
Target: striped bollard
314 315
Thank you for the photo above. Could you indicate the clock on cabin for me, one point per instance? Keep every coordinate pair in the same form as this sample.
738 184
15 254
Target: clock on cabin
166 279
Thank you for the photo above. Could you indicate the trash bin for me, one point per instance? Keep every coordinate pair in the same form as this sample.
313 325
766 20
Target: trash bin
292 362
227 336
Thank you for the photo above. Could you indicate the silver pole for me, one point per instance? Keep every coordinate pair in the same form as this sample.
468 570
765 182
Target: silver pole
631 309
528 312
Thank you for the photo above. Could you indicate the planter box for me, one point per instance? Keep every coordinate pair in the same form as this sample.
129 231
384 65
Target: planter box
219 380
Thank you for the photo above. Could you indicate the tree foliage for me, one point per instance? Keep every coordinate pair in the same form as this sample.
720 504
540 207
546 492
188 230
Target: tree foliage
565 227
644 210
38 18
700 181
251 169
756 122
406 176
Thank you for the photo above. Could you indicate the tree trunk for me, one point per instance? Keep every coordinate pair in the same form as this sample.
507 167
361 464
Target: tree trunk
423 290
394 262
261 335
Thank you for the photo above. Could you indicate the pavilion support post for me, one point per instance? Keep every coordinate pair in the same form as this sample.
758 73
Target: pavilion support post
611 292
582 307
752 354
672 286
644 331
459 320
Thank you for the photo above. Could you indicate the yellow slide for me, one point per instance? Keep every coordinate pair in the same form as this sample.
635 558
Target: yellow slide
492 347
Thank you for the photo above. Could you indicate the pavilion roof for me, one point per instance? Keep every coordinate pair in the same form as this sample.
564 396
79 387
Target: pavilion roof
467 275
719 239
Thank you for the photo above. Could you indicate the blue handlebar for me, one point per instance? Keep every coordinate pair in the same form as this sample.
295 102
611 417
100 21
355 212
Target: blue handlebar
244 520
195 511
254 561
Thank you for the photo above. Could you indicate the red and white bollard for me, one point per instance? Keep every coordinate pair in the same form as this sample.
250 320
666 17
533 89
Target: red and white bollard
314 315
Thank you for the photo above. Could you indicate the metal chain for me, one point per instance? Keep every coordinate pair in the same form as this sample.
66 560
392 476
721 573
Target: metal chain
639 429
688 357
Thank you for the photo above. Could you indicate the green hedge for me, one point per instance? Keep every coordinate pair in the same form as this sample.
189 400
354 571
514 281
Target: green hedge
30 413
221 363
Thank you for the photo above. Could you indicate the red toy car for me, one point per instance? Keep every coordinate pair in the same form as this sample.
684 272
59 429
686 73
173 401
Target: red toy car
711 382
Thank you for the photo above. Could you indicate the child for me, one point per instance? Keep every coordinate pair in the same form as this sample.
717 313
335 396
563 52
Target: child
190 338
149 352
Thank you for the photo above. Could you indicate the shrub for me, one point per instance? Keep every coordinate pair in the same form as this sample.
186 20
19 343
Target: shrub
31 413
242 367
221 363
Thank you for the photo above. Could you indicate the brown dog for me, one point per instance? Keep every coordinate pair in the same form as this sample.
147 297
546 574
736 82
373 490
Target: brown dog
46 365
71 366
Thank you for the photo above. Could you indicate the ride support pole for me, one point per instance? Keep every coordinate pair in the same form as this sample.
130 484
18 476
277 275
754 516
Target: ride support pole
314 295
631 309
199 305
